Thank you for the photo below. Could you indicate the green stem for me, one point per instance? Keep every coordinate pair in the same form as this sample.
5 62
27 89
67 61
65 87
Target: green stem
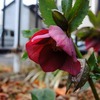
78 52
93 89
90 79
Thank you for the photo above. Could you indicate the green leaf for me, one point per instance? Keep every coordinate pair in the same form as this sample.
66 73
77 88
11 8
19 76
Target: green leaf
98 20
29 33
25 56
34 97
95 76
60 20
46 7
56 72
92 18
92 61
86 85
75 9
77 14
96 69
66 7
98 59
95 20
43 94
84 33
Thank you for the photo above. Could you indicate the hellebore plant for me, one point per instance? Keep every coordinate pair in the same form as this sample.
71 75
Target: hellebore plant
91 35
53 51
53 48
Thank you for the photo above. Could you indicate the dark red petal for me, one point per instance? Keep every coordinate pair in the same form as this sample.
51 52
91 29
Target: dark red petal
71 67
39 38
40 41
90 43
97 46
33 51
41 32
50 59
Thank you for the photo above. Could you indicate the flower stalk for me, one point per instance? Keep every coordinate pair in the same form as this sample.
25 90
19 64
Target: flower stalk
93 89
90 81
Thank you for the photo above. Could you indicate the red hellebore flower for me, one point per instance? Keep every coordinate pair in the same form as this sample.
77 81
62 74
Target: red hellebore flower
93 42
52 49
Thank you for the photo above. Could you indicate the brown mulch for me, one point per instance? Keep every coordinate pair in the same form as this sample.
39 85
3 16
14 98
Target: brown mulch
13 87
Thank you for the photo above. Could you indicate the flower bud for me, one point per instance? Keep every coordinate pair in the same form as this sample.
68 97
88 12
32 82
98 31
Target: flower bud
60 20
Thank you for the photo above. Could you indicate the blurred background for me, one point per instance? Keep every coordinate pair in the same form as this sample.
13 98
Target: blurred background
19 15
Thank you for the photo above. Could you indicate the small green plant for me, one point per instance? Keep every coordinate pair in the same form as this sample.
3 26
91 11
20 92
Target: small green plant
43 94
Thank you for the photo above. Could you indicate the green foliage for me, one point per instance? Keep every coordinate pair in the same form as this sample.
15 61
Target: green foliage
25 56
56 72
95 76
92 17
92 61
46 7
90 32
75 9
84 32
34 97
77 14
86 86
95 20
29 33
60 20
95 69
66 7
98 59
43 94
73 15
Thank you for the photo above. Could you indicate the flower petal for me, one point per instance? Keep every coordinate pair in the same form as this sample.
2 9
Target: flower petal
36 43
51 60
39 36
97 47
90 43
33 51
62 40
71 66
41 32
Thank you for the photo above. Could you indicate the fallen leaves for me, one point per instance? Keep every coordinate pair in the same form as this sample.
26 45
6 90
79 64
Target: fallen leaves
14 87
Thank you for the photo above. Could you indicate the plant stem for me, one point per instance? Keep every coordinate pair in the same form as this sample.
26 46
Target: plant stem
90 79
78 52
93 89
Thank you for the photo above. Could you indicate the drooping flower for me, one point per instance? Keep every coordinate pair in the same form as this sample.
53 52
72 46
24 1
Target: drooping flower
93 42
52 49
91 37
